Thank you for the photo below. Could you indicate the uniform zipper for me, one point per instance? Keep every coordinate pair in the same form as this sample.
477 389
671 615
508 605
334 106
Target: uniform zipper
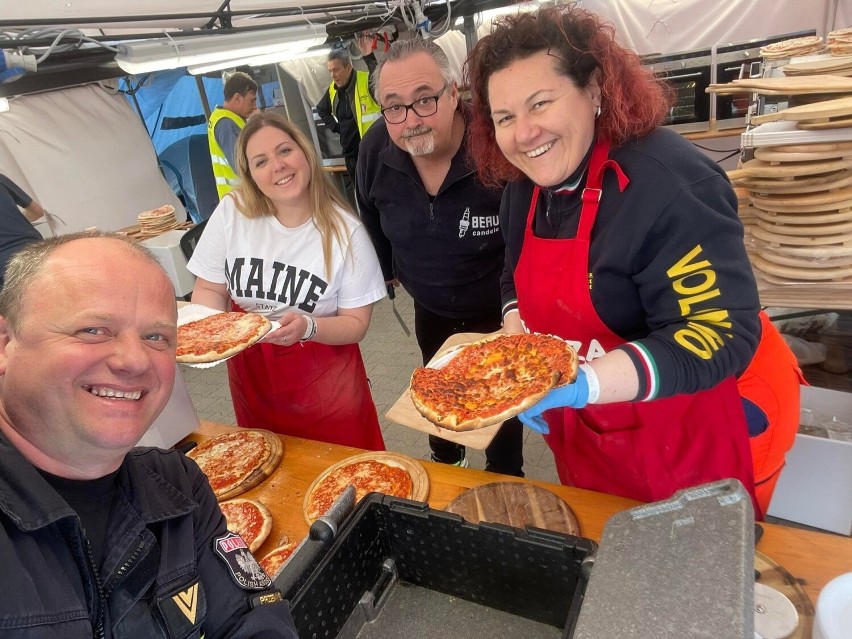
104 593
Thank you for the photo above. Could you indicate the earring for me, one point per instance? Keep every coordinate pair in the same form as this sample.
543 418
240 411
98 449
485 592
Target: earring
598 112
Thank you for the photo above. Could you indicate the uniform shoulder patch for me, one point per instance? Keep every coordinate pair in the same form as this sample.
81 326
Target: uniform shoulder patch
241 563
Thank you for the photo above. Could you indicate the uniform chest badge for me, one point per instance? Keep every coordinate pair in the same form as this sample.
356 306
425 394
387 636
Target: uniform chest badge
241 563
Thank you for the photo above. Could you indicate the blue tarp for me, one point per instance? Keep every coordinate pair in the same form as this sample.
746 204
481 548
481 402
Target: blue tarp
174 117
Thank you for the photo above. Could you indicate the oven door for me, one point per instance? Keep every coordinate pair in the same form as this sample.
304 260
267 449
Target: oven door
731 109
690 106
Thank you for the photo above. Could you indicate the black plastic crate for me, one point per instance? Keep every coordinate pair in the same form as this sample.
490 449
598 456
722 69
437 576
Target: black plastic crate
479 575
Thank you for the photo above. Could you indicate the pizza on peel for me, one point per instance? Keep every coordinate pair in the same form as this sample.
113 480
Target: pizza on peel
219 336
493 379
235 461
248 518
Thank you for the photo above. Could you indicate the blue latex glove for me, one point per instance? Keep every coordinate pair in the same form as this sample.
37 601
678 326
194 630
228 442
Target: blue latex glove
574 395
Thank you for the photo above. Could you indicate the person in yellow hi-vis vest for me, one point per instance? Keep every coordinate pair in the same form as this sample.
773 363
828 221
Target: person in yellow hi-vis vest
347 107
224 126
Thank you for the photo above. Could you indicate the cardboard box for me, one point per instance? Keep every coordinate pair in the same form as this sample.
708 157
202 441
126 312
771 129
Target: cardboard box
166 248
815 487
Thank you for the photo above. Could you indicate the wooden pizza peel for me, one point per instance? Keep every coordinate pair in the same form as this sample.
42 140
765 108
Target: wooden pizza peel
515 504
818 110
404 413
264 471
796 85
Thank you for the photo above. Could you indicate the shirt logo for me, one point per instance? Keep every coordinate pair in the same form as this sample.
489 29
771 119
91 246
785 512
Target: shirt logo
187 602
464 222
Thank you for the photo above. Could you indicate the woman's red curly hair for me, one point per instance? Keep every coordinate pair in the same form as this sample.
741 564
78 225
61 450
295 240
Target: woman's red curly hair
633 103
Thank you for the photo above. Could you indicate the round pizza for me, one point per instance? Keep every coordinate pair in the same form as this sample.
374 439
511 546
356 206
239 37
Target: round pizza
235 461
383 475
275 559
219 336
248 518
493 379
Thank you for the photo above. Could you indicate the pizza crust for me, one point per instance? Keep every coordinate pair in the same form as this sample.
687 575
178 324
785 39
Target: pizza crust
253 325
272 562
451 421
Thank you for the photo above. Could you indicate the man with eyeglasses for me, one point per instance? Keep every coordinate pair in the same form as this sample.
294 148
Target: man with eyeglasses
434 225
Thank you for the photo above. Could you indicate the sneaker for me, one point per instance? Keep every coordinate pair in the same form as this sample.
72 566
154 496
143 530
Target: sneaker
462 463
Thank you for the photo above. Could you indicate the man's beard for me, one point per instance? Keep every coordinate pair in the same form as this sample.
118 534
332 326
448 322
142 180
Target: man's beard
421 142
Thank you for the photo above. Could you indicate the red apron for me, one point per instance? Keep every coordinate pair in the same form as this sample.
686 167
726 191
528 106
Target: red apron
310 390
772 381
642 450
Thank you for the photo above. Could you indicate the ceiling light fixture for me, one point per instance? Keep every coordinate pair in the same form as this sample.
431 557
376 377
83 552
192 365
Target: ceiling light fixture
299 50
172 53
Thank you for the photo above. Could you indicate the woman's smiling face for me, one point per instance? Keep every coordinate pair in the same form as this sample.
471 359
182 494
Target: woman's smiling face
279 167
543 123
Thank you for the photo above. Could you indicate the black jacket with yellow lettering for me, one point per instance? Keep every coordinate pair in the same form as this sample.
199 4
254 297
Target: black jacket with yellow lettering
677 211
161 576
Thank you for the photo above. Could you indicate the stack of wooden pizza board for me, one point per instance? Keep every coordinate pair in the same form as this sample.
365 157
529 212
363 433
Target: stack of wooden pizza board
800 200
404 413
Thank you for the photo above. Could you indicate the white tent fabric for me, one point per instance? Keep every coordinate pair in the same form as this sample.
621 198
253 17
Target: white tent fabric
85 156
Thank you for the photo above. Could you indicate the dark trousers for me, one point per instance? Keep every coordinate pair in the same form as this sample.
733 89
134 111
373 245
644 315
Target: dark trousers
505 453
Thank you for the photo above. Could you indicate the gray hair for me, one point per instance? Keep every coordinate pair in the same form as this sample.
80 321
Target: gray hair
404 49
342 55
24 267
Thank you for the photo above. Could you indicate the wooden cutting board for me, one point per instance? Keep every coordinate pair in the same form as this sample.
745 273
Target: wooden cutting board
817 110
404 413
264 471
775 216
800 238
515 504
820 197
837 123
816 67
760 169
786 85
830 273
419 478
772 154
835 180
775 576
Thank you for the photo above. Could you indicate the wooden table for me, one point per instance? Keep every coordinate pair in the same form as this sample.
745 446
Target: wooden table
812 558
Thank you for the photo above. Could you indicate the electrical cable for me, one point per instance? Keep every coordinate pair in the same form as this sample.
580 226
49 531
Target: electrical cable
706 148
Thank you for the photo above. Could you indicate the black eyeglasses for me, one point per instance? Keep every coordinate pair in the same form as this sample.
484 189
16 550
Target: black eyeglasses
397 113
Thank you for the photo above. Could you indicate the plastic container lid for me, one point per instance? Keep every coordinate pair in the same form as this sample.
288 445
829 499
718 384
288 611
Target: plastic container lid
833 618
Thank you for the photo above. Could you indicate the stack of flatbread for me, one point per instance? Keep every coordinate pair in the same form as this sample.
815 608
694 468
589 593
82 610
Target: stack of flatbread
840 42
793 47
157 221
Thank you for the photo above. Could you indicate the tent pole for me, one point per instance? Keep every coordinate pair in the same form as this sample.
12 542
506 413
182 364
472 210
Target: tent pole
203 95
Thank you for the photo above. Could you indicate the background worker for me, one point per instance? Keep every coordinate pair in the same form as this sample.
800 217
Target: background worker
225 125
624 239
16 228
105 540
348 107
434 225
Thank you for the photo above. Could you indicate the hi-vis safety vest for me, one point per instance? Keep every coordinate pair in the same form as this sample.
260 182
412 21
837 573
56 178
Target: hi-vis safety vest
365 109
226 177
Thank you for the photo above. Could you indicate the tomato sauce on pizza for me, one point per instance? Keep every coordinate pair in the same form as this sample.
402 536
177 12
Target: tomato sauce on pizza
230 459
219 336
367 476
493 379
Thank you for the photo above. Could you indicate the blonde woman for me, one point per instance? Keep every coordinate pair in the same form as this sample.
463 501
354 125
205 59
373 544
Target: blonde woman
286 245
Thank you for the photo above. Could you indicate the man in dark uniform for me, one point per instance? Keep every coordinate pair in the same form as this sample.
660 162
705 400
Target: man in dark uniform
98 539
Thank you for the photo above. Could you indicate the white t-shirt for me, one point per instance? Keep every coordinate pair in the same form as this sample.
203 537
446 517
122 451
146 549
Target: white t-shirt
270 269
